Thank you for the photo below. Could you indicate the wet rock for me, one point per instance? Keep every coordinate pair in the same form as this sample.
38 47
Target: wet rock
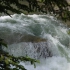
42 50
30 38
33 46
23 38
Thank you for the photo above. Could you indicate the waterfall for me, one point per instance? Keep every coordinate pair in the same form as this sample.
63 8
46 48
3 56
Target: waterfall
41 37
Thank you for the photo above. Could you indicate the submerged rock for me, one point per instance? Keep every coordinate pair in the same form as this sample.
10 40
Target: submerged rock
23 38
33 50
30 38
33 46
42 49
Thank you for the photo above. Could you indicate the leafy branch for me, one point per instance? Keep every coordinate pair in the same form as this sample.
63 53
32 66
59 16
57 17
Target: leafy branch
7 60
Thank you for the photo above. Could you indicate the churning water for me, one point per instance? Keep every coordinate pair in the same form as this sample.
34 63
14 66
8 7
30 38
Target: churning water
53 53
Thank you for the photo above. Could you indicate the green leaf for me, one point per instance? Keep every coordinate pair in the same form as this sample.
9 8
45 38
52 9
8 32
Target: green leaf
6 61
2 57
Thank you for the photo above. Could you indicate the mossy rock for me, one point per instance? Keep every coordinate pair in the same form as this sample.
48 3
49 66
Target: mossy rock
31 38
24 38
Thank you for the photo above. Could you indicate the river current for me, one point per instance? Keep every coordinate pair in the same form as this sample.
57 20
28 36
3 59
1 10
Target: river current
46 27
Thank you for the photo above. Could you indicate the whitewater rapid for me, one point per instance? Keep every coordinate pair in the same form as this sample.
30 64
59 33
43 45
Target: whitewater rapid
44 26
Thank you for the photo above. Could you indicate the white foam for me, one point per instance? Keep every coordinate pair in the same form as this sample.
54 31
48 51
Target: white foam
43 26
53 63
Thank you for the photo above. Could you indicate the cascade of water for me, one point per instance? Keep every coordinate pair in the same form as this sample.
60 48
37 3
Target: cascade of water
39 37
33 50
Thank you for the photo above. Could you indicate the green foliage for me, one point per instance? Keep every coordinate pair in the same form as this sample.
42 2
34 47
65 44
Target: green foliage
34 5
7 60
68 32
6 5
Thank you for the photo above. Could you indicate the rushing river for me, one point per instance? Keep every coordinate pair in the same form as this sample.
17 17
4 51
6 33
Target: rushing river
53 53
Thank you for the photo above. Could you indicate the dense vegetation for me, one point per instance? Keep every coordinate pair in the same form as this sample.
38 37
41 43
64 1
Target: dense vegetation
58 7
46 6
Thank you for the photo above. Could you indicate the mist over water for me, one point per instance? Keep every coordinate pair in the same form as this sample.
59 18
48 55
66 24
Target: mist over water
56 44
